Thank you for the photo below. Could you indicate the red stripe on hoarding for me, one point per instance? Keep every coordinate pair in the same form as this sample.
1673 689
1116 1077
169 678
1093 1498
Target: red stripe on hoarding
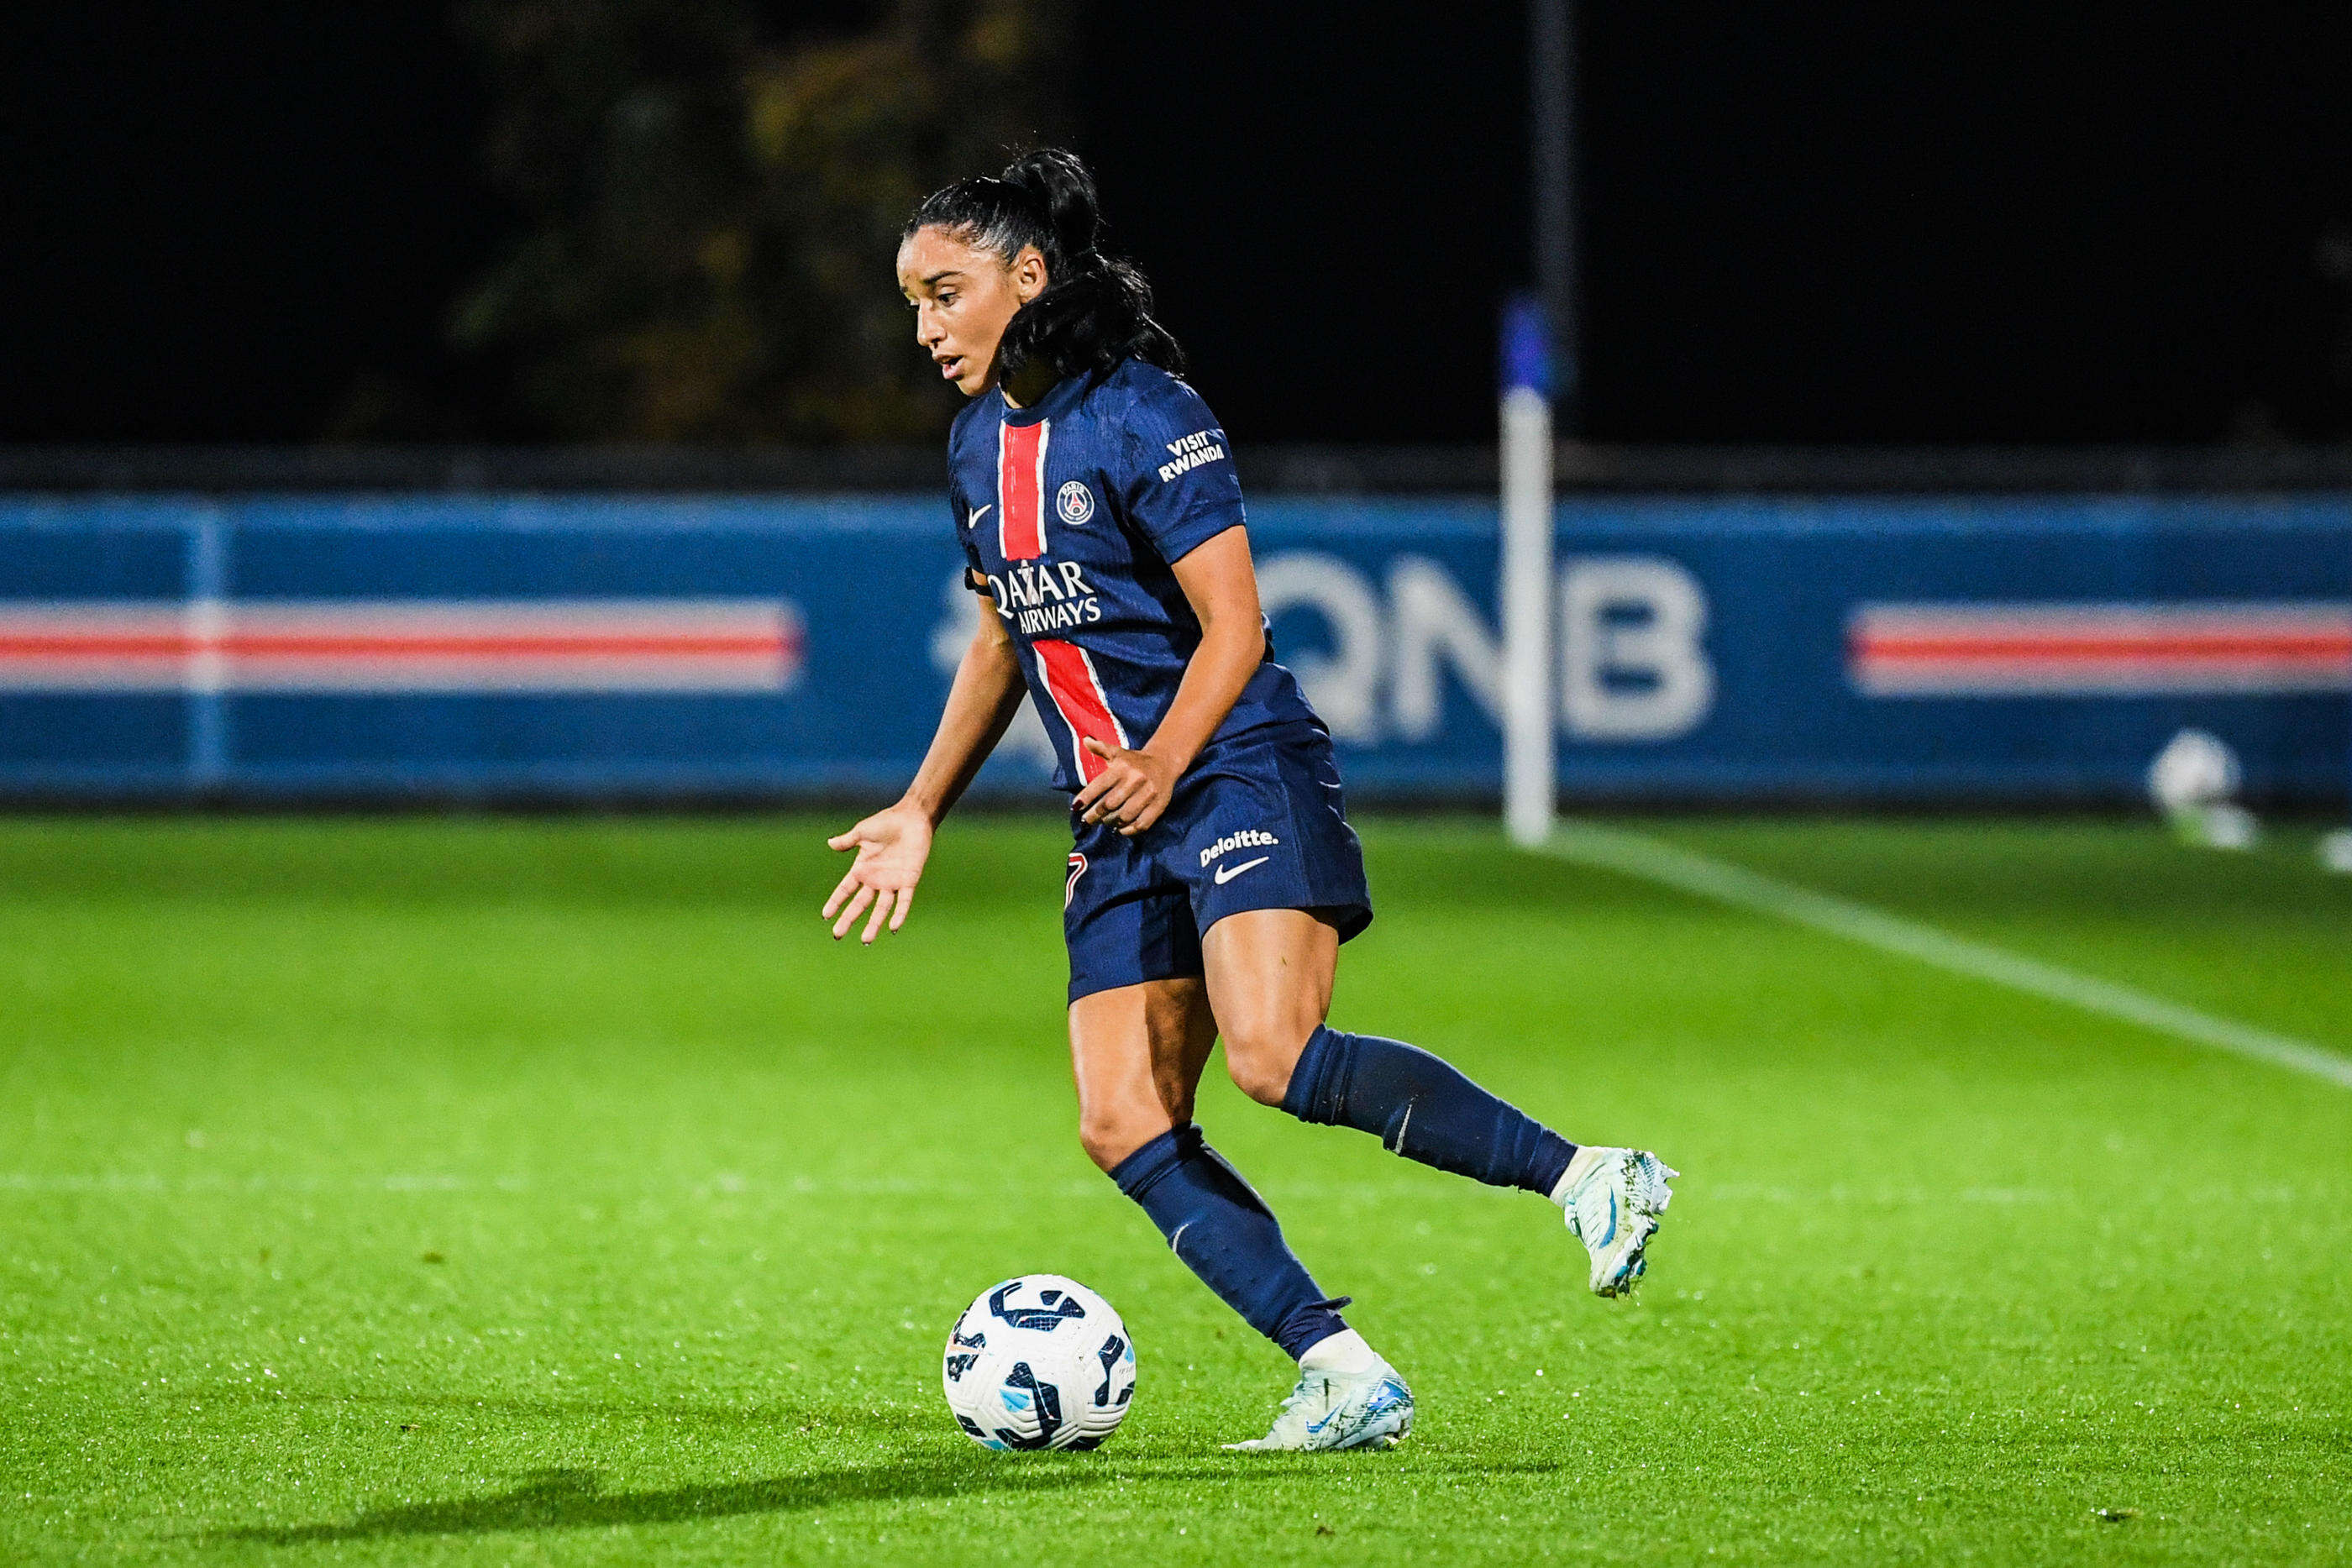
1078 697
53 645
676 645
2043 645
1993 650
1021 490
582 644
586 645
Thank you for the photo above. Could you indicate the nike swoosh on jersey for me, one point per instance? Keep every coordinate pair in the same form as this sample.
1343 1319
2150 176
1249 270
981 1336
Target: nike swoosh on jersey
1227 873
974 522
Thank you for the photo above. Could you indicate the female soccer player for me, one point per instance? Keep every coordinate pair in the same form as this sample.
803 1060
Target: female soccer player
1214 874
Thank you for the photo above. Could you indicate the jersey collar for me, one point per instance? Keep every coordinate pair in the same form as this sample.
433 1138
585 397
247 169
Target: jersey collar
1056 398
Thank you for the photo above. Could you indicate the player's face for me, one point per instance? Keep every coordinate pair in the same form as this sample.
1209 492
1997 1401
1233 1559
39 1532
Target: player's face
964 296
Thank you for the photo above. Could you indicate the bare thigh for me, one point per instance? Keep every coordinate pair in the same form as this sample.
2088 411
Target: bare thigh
1137 1052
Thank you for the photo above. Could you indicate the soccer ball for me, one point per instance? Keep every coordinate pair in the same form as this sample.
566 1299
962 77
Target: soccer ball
2194 770
1039 1362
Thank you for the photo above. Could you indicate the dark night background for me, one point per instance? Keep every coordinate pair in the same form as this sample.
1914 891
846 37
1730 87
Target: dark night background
2003 223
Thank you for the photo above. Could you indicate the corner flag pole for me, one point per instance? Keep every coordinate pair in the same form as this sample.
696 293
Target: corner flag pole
1527 763
1541 354
1551 103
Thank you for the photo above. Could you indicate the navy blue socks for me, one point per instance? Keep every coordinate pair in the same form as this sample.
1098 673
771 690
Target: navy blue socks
1225 1233
1412 1101
1422 1109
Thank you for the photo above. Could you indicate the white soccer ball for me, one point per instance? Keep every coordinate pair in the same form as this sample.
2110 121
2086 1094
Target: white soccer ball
2195 769
1039 1362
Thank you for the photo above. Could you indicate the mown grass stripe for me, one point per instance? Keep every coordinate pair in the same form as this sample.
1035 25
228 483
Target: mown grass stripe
1637 854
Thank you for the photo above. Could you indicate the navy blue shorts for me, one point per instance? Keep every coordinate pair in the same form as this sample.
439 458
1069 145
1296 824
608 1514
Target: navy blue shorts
1259 824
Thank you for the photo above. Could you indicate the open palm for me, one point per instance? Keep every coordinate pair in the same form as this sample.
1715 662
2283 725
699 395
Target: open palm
891 846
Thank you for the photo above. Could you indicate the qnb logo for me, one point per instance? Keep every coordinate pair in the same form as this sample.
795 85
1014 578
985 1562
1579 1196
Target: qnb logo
1383 651
1247 839
1633 659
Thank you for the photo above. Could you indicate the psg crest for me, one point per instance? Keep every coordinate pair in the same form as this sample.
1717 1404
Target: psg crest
1075 502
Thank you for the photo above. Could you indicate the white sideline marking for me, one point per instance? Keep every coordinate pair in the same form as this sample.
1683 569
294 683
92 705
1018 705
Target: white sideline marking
1587 844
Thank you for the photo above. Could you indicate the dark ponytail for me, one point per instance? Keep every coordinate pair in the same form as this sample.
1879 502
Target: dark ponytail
1096 311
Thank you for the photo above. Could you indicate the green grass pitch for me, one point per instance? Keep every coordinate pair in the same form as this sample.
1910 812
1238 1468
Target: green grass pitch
509 1191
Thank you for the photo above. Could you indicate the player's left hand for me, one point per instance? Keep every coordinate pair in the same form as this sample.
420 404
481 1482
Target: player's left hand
1131 790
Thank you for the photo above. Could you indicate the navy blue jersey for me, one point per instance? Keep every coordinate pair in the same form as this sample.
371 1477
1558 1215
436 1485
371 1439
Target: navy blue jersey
1072 511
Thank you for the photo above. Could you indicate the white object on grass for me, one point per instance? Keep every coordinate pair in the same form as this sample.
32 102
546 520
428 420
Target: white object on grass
2335 851
1038 1362
2196 768
1330 1410
2193 782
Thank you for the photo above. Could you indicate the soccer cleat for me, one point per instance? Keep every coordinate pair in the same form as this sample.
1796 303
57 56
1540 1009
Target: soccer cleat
1333 1410
1613 1199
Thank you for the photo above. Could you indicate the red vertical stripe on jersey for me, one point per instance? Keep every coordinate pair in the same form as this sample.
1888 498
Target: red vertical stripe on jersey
1021 490
1079 696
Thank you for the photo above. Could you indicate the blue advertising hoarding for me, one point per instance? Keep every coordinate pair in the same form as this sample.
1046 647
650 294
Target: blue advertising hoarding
2003 649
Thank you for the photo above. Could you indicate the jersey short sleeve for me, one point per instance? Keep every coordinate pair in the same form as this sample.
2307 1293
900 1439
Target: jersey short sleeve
1179 488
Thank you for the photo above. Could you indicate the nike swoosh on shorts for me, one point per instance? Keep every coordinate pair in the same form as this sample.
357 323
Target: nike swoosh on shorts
1227 873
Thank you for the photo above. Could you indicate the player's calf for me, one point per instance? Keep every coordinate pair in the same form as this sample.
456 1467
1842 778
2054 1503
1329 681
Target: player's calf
1424 1108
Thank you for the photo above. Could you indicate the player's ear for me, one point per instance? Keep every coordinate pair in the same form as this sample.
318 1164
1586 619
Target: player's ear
1029 278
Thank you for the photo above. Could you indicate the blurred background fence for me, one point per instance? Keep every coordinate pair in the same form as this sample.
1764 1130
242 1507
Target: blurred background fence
549 429
1934 627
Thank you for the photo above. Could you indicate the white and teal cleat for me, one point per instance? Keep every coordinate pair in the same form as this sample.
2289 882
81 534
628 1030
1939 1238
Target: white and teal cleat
1336 1410
1613 1199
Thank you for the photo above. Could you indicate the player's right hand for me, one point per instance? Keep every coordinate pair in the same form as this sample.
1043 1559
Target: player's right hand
891 845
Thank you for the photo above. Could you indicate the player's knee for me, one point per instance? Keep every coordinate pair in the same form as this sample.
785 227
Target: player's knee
1108 1137
1260 1056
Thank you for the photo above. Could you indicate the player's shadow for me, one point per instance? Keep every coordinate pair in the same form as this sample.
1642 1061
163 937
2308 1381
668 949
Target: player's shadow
767 1416
576 1498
